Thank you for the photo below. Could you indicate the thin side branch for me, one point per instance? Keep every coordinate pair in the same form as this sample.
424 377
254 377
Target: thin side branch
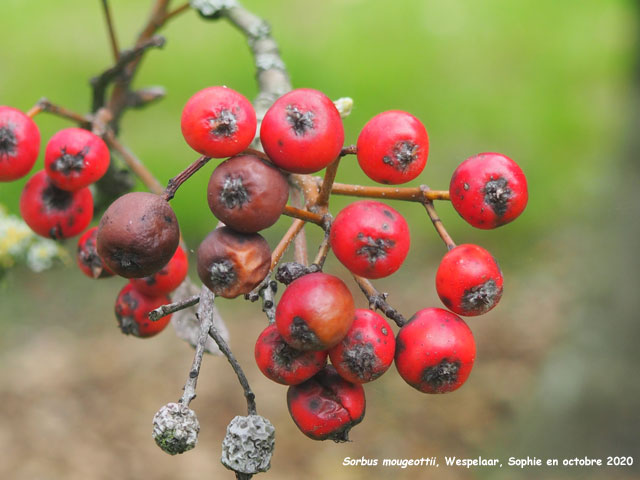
300 251
439 226
327 183
183 176
305 215
113 40
164 310
323 250
44 105
379 300
415 194
175 12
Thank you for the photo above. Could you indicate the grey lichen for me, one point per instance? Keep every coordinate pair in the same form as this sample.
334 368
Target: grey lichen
248 445
211 7
175 428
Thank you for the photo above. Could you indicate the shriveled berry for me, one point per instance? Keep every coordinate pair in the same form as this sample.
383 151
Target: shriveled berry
167 279
232 263
132 310
87 256
247 194
469 280
435 351
19 144
366 352
326 406
488 190
283 364
52 212
315 312
370 238
75 158
138 234
218 122
302 132
393 147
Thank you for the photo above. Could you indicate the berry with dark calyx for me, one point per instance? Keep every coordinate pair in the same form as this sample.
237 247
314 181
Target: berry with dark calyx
218 122
247 194
87 256
232 263
326 406
132 312
393 147
175 428
315 312
469 280
279 362
138 234
75 158
435 351
167 279
54 213
302 132
488 190
367 351
19 144
370 238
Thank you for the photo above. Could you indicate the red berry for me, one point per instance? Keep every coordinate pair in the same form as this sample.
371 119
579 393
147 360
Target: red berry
19 144
132 310
366 352
488 190
326 406
283 364
315 312
393 147
302 132
370 238
167 279
435 351
75 158
469 280
52 212
87 256
218 122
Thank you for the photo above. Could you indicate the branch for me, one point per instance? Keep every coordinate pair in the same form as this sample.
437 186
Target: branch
415 194
437 223
164 310
112 32
44 105
300 251
379 300
183 176
327 182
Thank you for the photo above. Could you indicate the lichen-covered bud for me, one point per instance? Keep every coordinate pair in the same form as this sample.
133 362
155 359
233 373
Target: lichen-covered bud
248 445
175 428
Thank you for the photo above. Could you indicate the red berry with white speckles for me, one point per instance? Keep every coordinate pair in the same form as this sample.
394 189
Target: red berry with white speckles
393 147
370 238
52 212
302 132
366 352
19 144
75 158
326 406
218 122
488 190
284 364
132 310
87 256
167 279
469 280
435 351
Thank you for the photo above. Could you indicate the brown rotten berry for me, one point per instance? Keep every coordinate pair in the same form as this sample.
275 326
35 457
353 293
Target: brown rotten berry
247 193
138 235
232 263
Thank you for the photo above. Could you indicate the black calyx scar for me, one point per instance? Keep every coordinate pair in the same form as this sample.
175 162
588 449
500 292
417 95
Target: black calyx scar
481 297
497 194
403 155
222 273
301 122
69 162
8 142
374 248
233 193
441 375
224 124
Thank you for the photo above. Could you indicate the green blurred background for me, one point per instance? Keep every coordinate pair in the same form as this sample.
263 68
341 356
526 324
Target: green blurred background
554 85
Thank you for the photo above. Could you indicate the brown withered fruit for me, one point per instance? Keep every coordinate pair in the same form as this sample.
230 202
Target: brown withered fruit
138 234
247 193
231 263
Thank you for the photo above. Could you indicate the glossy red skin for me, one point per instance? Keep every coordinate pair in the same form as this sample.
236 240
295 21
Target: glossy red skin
167 279
305 150
54 213
88 151
384 137
370 238
87 256
469 281
367 351
326 406
132 310
20 137
435 351
315 312
207 105
486 171
283 364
